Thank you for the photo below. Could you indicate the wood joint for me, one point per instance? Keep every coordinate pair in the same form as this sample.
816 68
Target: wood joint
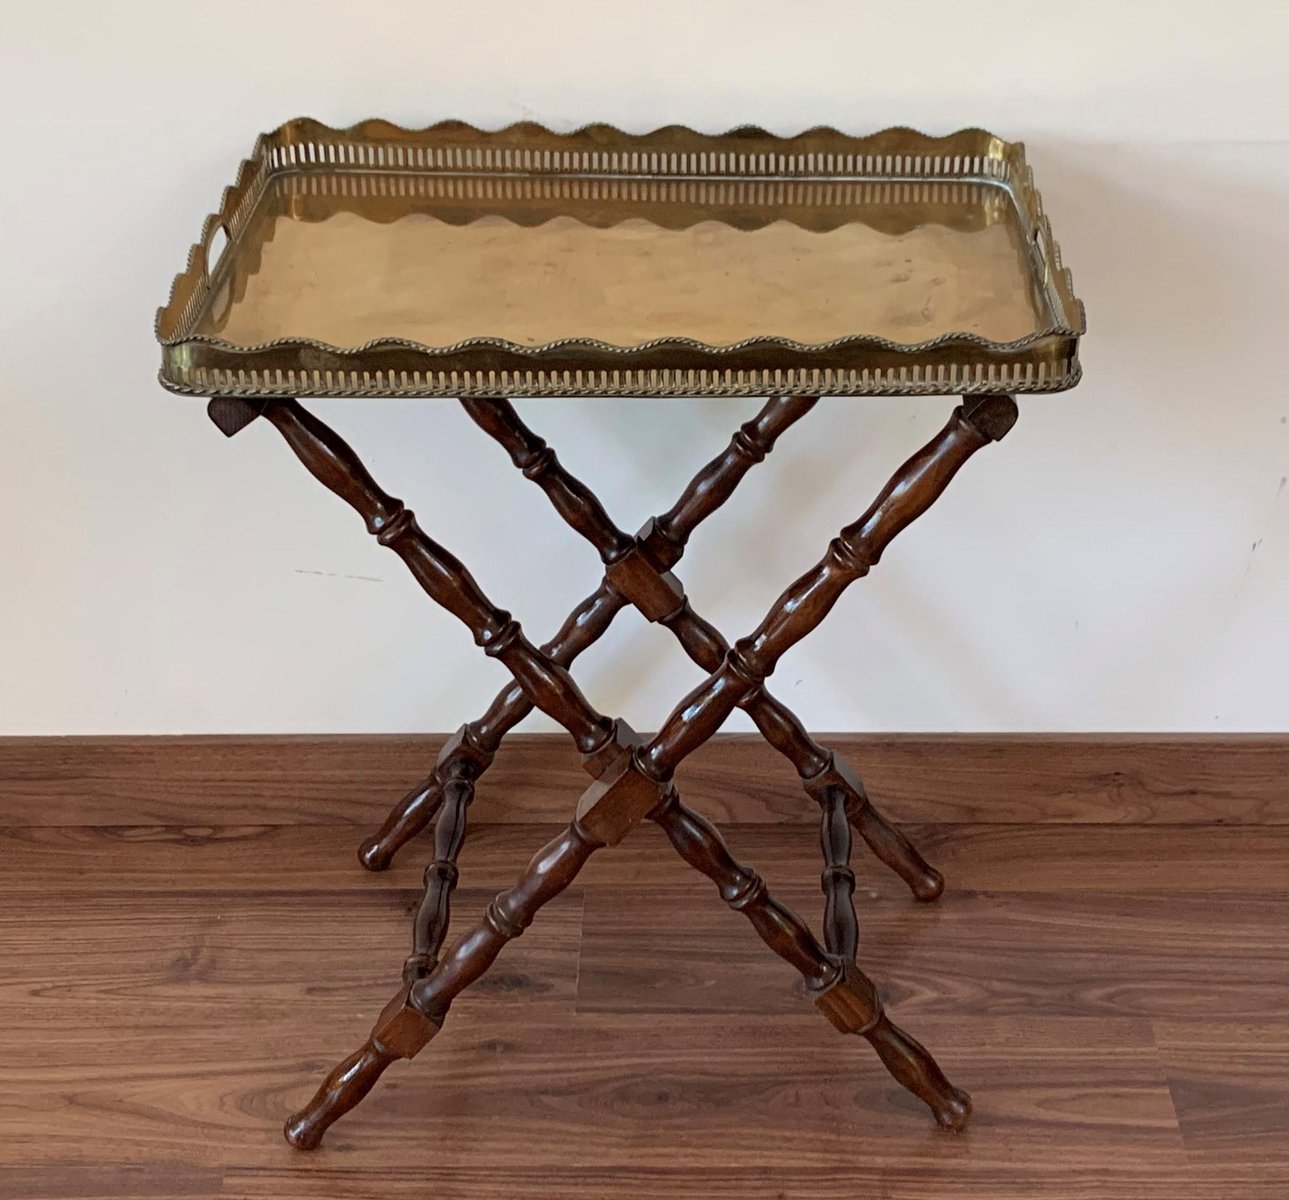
660 541
990 416
501 922
403 1030
617 748
231 414
400 524
619 799
461 757
850 1000
837 774
747 892
657 593
499 636
444 869
851 558
743 661
837 873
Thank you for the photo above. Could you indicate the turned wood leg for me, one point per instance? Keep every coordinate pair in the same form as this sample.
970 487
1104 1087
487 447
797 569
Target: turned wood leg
411 815
430 926
473 747
845 995
586 624
340 1091
639 569
893 848
441 575
911 1064
823 772
631 781
804 605
463 757
417 1013
904 1057
841 925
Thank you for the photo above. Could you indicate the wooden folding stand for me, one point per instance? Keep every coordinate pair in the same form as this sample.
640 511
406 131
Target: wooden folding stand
377 215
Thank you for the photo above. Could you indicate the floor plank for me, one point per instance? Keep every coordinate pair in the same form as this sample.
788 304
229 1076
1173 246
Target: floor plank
204 963
988 954
1064 859
981 778
710 1089
1228 1082
1108 995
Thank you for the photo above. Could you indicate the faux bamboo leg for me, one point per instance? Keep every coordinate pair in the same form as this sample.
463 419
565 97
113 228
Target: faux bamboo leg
841 926
840 989
618 799
441 575
803 606
629 778
704 494
416 1014
638 569
430 926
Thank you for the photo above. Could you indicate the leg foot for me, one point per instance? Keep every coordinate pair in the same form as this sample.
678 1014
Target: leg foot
896 851
465 756
340 1091
838 776
912 1065
413 813
415 1015
842 992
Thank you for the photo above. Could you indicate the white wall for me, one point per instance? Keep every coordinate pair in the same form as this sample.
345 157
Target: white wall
1120 563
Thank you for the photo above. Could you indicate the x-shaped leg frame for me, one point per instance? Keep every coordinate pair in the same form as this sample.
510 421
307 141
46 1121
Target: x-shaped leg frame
637 573
632 780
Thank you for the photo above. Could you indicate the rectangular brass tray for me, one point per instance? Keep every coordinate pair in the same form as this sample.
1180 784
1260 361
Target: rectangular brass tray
451 261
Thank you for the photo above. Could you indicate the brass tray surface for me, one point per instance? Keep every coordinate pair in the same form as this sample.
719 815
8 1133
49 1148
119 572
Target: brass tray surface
451 261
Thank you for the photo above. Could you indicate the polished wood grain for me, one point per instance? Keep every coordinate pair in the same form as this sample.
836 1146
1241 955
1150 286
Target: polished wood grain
632 779
415 1016
909 493
946 778
637 568
440 880
841 925
1120 1031
839 989
444 578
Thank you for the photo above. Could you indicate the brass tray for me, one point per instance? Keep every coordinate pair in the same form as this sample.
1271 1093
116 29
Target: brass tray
450 261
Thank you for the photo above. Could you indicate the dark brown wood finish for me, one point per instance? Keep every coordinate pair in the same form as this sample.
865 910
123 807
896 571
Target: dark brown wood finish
416 1014
638 570
841 926
667 537
431 924
845 995
910 492
699 843
631 780
330 460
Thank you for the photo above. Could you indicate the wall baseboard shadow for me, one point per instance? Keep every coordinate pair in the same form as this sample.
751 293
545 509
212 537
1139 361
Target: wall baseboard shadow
1240 779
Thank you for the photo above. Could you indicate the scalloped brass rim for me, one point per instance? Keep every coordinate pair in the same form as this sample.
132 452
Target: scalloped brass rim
900 144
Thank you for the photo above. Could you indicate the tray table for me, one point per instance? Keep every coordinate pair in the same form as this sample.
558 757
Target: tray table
485 265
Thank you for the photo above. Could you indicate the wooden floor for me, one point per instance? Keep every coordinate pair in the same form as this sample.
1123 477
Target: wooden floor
1116 999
